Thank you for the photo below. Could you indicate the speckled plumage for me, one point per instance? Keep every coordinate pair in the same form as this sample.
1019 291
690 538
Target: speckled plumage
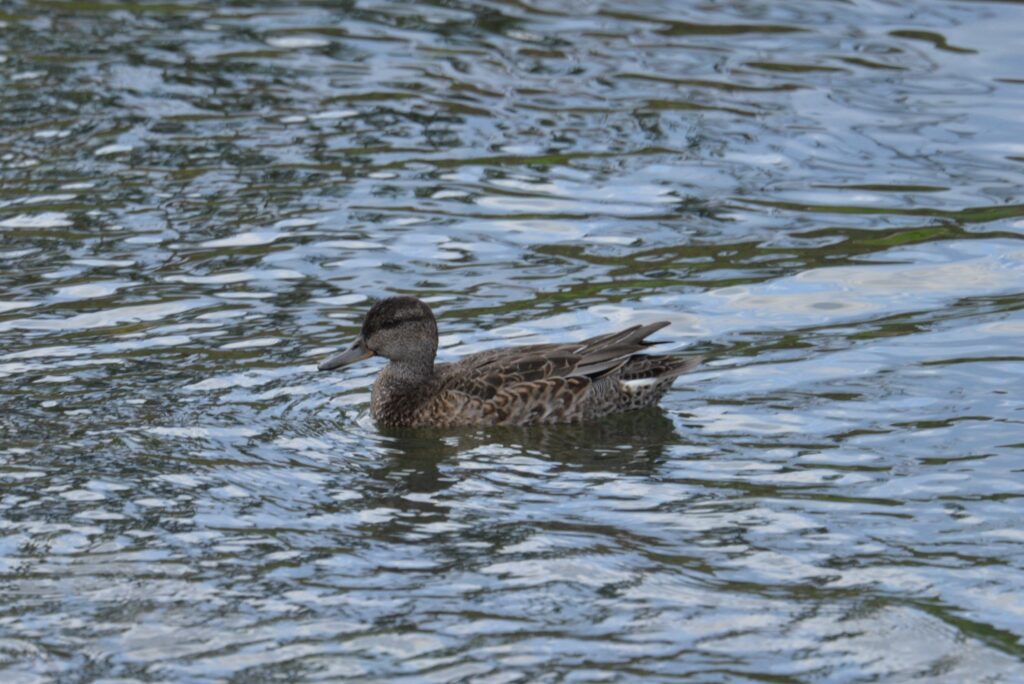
543 383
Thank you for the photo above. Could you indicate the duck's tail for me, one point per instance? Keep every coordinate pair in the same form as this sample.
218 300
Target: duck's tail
648 371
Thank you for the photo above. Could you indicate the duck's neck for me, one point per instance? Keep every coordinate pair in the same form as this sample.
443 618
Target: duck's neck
400 389
409 373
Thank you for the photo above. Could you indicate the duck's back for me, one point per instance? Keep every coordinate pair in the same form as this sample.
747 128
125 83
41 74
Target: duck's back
552 383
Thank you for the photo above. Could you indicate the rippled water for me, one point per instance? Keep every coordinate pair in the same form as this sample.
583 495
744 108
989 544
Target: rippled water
200 199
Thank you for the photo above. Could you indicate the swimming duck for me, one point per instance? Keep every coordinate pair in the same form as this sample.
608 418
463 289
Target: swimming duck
540 383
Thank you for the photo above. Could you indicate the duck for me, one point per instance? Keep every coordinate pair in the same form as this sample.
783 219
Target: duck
565 382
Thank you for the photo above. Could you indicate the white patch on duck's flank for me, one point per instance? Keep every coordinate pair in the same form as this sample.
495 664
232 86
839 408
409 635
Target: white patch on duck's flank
637 384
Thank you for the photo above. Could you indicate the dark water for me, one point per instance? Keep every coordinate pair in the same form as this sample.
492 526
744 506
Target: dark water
200 199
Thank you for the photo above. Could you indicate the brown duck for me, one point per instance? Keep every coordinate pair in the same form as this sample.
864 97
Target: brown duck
540 383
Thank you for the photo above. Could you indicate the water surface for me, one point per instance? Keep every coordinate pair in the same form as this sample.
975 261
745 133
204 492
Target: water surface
199 200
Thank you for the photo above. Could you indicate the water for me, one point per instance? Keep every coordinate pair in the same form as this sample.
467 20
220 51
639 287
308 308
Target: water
199 200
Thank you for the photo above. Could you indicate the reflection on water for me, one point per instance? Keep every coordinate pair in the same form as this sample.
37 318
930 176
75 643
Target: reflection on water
198 201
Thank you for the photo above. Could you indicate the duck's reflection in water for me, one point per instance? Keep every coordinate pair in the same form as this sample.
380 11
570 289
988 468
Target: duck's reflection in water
633 443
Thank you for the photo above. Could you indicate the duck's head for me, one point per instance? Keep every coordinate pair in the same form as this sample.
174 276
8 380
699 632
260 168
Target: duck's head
401 329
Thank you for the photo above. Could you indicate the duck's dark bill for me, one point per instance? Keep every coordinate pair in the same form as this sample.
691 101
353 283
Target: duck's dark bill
357 352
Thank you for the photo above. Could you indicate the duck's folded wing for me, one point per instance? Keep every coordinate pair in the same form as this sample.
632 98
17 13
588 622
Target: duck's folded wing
486 374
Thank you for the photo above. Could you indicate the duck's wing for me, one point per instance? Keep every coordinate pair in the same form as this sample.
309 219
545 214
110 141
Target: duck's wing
530 369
